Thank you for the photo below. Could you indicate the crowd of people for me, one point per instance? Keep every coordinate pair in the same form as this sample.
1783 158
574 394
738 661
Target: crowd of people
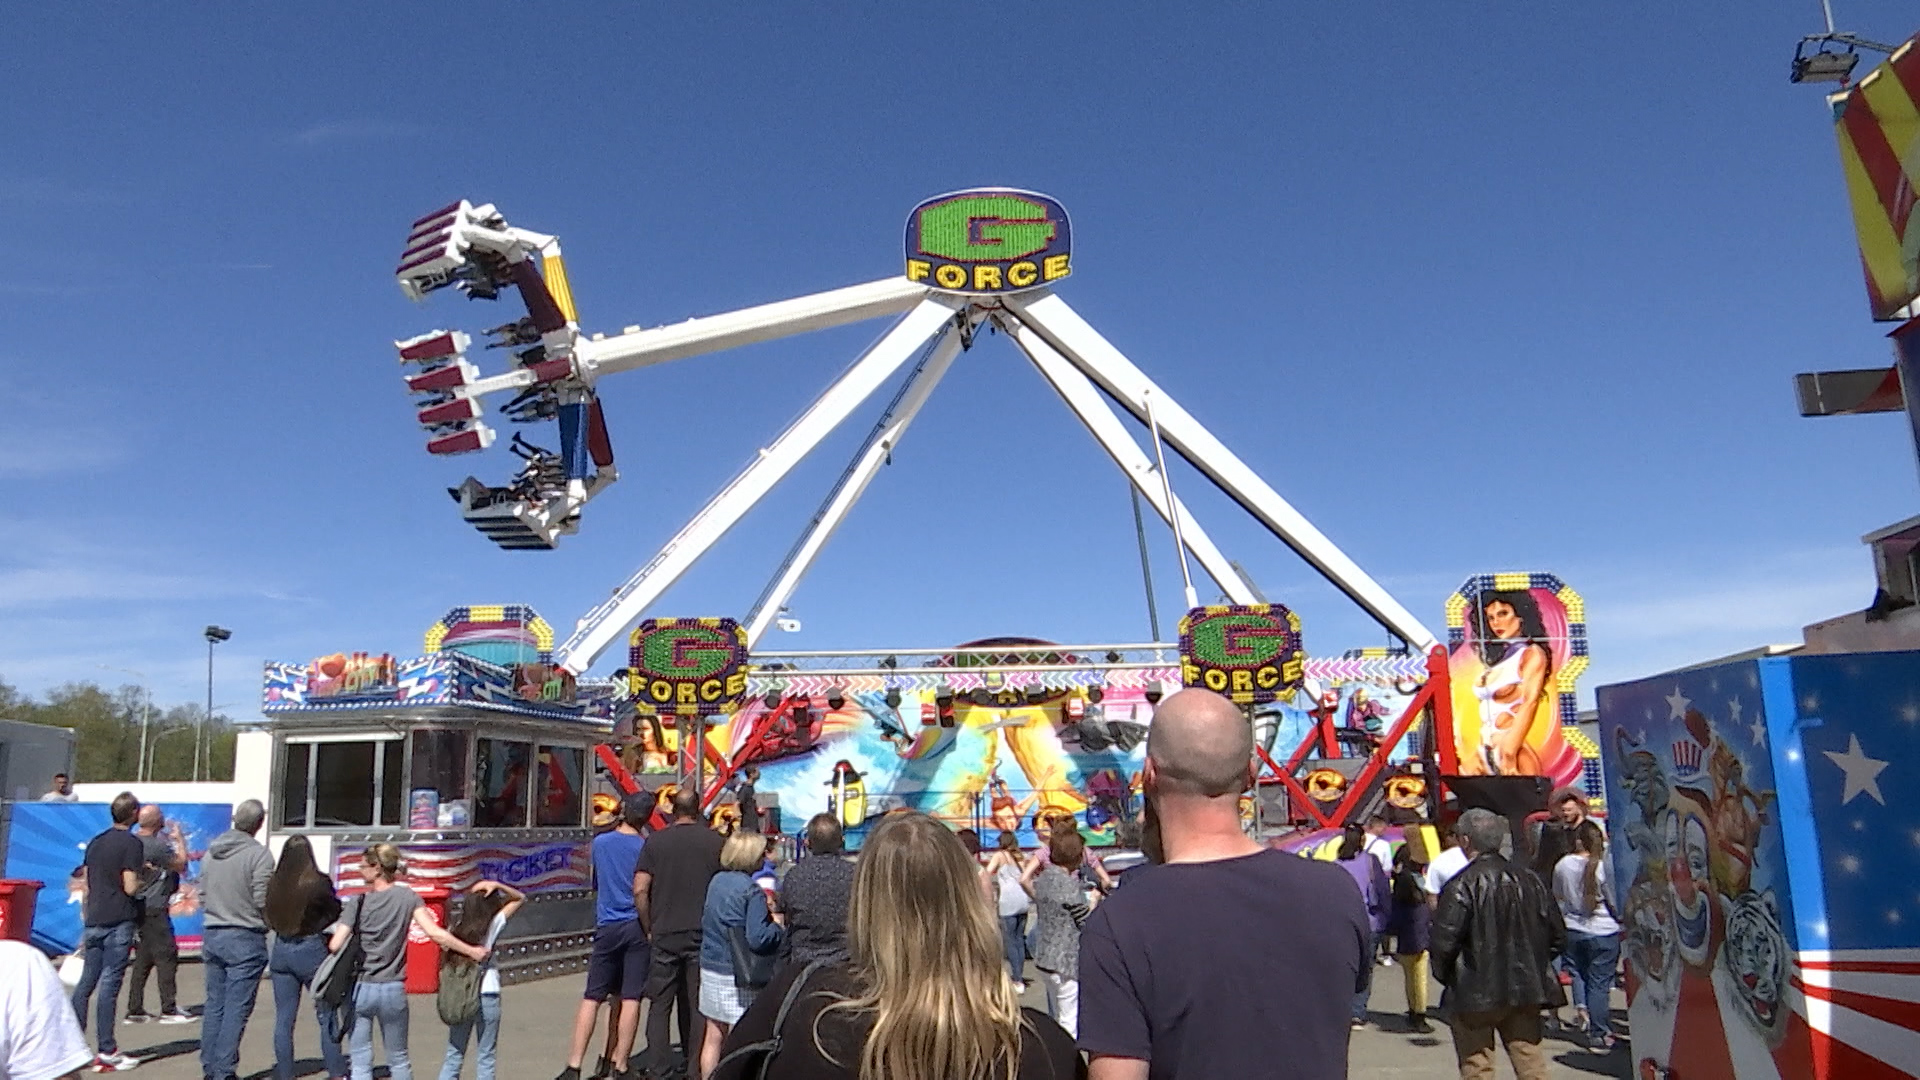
908 961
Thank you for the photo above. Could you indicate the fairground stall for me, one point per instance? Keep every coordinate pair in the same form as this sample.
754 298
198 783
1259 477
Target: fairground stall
474 759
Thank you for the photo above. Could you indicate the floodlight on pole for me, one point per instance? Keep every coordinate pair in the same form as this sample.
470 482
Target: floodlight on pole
1832 56
214 635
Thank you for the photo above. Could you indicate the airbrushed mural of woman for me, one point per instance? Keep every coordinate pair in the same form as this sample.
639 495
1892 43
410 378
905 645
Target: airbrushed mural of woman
1506 704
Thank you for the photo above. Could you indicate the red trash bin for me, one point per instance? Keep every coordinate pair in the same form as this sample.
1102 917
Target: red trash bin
423 956
16 908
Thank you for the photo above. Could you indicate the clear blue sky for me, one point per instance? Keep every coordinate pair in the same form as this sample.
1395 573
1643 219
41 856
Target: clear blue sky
1474 291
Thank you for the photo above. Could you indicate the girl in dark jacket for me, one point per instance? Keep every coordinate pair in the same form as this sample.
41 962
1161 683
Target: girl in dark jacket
1409 923
301 907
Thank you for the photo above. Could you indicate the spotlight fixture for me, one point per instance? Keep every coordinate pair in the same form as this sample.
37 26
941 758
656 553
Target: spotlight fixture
836 698
893 698
771 700
1095 694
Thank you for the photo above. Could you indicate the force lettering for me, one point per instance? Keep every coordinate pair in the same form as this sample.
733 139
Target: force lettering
1243 680
988 276
706 691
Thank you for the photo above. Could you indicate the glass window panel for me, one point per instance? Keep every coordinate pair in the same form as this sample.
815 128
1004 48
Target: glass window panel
343 786
293 785
392 783
501 783
561 791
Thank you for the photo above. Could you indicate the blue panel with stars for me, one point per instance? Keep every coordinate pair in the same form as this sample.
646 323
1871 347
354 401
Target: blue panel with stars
1857 716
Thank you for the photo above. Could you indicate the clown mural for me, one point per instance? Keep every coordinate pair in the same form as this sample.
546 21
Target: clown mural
1699 867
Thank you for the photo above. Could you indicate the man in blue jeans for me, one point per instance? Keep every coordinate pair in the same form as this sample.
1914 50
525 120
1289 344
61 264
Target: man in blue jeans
233 947
113 863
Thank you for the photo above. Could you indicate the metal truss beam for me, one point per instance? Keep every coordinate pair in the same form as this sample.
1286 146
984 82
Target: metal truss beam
604 624
1073 337
1093 411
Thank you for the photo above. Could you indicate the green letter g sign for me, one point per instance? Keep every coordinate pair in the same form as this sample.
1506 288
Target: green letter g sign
981 228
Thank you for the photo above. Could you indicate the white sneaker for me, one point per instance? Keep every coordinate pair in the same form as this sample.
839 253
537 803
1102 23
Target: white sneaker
107 1063
175 1017
1019 987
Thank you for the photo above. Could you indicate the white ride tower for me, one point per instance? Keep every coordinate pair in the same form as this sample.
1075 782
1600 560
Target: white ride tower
972 258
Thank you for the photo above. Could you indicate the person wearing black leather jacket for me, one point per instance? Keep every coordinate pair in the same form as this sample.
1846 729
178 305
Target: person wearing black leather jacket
1495 934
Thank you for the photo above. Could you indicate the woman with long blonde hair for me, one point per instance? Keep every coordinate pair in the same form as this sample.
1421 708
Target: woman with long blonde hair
926 994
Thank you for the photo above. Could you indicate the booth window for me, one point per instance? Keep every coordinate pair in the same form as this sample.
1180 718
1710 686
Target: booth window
560 786
332 783
501 783
440 764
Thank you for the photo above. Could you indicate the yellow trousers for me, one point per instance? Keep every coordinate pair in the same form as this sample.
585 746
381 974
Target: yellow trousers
1414 970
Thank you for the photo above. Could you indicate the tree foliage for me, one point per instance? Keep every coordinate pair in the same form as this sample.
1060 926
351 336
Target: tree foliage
106 726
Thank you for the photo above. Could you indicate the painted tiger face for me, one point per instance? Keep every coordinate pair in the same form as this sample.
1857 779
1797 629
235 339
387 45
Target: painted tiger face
1756 957
1650 940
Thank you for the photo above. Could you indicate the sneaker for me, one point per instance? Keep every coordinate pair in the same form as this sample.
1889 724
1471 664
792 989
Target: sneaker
1019 987
1386 961
106 1063
136 1018
1358 1023
175 1017
1418 1022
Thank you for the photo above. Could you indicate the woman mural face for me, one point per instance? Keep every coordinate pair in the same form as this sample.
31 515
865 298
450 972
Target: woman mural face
1502 620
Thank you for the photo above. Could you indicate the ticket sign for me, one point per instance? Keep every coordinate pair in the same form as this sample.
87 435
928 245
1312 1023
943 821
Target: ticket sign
688 667
1250 653
986 241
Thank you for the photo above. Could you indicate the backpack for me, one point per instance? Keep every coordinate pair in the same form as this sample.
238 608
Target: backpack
459 996
759 1056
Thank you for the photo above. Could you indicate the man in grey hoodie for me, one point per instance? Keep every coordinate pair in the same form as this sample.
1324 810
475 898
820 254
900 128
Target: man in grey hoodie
233 891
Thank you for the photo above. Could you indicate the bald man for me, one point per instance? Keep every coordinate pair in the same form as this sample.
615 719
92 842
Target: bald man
166 857
1227 957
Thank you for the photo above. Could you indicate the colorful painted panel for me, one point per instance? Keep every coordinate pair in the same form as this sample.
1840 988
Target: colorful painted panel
1878 126
447 678
45 842
1251 653
531 866
1517 643
1845 731
688 667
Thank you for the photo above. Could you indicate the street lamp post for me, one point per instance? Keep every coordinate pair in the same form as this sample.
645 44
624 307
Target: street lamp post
214 635
155 750
146 709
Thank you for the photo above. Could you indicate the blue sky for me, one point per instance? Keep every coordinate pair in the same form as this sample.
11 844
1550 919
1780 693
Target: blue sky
1475 290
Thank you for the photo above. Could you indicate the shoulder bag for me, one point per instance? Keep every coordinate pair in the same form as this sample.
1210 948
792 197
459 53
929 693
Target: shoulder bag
339 973
759 1055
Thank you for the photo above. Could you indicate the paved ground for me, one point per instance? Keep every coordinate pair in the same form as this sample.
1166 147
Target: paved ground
537 1017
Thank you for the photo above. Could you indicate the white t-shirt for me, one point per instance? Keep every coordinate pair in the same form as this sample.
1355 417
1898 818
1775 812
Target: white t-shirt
1569 888
1013 898
40 1038
490 980
1443 868
1382 851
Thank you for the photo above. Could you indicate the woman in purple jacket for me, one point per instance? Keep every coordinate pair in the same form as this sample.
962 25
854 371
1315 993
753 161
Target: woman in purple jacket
1372 880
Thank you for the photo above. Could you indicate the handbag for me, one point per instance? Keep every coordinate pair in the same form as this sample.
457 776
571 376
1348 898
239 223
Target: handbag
751 970
767 1049
334 981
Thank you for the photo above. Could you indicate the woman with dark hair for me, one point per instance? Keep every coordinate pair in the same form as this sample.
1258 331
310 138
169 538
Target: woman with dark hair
301 907
1593 932
1372 880
924 995
1516 656
483 914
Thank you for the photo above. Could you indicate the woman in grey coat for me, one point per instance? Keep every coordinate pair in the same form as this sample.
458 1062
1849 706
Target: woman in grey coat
1060 907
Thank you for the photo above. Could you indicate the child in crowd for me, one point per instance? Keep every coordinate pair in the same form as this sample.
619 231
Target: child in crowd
1408 922
483 915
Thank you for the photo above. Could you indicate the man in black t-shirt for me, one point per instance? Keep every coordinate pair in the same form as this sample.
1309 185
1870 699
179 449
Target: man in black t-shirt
113 863
1227 959
670 893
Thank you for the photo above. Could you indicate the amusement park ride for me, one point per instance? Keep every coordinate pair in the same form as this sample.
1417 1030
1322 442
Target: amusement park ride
973 259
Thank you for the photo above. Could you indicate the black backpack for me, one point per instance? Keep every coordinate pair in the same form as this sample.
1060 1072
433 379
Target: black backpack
760 1055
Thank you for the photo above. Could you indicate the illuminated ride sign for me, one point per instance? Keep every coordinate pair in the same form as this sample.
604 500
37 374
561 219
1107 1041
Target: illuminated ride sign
351 675
1250 653
986 241
688 667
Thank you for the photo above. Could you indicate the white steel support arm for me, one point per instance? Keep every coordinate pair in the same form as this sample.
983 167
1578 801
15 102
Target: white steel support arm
714 333
603 625
784 318
1084 399
1063 328
856 483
